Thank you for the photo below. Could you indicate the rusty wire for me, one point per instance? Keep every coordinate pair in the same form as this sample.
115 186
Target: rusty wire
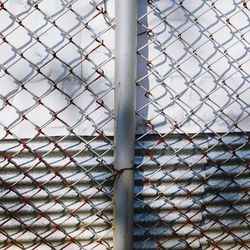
55 190
192 188
192 183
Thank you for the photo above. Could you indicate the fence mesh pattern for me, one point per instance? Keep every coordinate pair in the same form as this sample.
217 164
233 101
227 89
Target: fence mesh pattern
56 123
55 186
192 192
192 151
193 66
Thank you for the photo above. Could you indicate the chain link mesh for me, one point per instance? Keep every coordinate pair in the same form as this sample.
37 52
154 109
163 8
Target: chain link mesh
56 116
192 147
55 106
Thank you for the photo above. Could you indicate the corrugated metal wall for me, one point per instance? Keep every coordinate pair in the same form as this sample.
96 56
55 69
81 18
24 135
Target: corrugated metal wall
192 192
56 193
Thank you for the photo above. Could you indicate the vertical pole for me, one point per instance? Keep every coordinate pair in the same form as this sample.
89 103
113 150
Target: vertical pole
125 94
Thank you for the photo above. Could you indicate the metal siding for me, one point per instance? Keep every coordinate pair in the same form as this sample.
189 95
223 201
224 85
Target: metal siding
188 193
65 199
192 194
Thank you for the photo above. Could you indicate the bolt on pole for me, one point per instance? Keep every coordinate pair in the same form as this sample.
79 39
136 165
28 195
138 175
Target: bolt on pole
125 104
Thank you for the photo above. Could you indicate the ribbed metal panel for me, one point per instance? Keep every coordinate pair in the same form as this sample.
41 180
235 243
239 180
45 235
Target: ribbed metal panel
56 193
192 192
227 197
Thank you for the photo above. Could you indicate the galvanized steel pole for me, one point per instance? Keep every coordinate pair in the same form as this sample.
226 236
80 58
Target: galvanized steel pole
125 93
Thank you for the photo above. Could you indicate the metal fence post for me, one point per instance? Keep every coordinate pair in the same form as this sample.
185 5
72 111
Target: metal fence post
125 77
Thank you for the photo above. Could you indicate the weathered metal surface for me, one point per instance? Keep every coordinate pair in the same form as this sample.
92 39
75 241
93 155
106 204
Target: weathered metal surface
56 193
126 13
192 192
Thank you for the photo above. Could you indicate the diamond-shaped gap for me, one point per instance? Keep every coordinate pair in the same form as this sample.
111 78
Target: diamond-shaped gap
53 10
74 24
8 23
240 20
212 20
19 9
53 38
177 17
86 12
21 39
196 7
36 22
23 70
9 55
75 56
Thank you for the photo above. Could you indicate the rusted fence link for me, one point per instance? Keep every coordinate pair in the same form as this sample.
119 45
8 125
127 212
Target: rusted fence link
57 171
56 153
192 147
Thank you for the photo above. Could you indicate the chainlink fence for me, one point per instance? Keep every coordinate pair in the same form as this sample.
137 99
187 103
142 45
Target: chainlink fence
192 148
55 183
56 125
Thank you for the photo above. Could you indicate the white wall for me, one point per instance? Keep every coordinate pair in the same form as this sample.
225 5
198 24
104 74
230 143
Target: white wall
180 66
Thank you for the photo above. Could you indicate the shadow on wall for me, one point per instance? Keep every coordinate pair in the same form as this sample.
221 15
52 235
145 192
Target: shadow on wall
192 194
192 77
62 72
192 66
191 188
142 101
